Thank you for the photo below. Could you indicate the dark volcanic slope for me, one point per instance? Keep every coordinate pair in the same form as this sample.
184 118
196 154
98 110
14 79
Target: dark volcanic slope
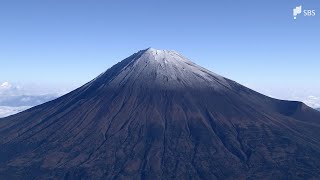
158 115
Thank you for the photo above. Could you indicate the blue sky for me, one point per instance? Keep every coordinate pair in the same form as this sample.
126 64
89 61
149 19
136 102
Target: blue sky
256 43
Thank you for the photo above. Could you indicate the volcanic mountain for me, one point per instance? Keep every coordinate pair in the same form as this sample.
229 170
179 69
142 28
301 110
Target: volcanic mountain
157 115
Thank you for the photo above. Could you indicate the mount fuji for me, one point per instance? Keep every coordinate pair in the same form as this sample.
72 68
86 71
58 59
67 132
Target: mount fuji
158 115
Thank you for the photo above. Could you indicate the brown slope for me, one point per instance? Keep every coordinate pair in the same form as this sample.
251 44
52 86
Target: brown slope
157 115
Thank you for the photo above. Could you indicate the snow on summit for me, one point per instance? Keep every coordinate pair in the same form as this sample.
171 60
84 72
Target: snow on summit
163 69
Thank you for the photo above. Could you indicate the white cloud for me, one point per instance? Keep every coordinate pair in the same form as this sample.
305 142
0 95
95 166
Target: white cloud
7 111
312 101
25 99
15 98
18 89
309 96
9 89
5 85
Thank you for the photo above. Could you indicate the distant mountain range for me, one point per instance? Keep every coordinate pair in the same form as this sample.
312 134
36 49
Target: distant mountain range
318 109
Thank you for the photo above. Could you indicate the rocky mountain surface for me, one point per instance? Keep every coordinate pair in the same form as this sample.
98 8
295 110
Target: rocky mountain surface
157 115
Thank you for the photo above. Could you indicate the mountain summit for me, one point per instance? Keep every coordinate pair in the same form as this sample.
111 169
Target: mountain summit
157 115
162 69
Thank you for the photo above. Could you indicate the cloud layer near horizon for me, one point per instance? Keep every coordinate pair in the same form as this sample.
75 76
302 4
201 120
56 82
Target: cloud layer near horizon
15 98
7 111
